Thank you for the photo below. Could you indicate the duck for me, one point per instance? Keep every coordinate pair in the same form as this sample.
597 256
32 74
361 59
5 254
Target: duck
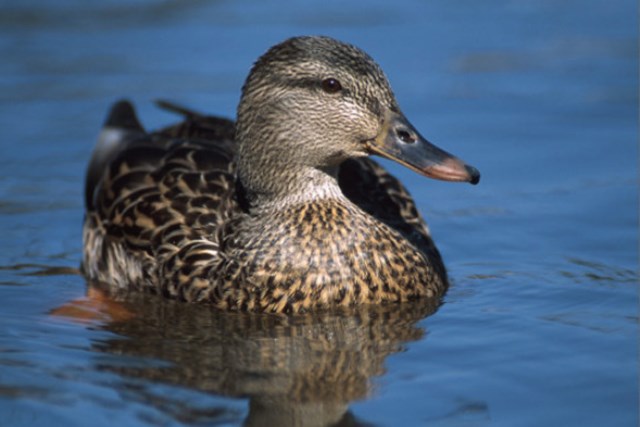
283 210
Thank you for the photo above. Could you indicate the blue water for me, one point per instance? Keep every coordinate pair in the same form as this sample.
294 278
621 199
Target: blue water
540 326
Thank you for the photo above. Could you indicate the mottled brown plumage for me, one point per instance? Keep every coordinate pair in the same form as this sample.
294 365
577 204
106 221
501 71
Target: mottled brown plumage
284 213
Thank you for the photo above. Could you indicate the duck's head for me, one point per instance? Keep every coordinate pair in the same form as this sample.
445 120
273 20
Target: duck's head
313 102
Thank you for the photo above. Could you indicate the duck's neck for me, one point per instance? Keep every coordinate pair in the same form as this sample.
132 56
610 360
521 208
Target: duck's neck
280 160
289 185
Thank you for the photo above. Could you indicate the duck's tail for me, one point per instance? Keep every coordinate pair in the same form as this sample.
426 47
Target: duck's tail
196 125
120 127
178 109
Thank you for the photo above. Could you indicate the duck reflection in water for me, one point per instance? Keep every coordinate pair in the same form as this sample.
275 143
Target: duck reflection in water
301 370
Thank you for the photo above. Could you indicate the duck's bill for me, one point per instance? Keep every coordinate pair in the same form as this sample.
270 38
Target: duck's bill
402 143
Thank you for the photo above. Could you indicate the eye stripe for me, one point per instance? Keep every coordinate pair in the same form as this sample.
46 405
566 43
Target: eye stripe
307 83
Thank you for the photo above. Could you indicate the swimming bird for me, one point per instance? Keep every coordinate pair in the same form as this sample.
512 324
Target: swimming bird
282 211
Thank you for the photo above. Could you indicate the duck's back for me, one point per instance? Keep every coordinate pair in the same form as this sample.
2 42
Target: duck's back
155 203
150 196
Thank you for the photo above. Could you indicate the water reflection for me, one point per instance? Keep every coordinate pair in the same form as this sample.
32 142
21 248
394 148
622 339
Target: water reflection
596 272
297 371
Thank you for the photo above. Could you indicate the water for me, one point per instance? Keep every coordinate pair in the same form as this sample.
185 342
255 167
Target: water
540 326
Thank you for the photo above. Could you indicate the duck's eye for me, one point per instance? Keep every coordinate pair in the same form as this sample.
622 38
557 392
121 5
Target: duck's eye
331 85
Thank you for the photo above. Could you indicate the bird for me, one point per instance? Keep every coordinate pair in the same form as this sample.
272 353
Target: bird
283 210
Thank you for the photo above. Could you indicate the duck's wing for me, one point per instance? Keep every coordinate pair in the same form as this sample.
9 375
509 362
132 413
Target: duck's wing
380 194
150 195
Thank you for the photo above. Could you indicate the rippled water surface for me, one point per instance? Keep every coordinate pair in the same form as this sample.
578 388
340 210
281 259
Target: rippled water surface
540 326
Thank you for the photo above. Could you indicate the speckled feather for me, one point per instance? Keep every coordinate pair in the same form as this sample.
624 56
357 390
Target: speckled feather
169 215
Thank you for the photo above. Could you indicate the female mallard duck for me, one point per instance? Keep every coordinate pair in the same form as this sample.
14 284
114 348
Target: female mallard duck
283 214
